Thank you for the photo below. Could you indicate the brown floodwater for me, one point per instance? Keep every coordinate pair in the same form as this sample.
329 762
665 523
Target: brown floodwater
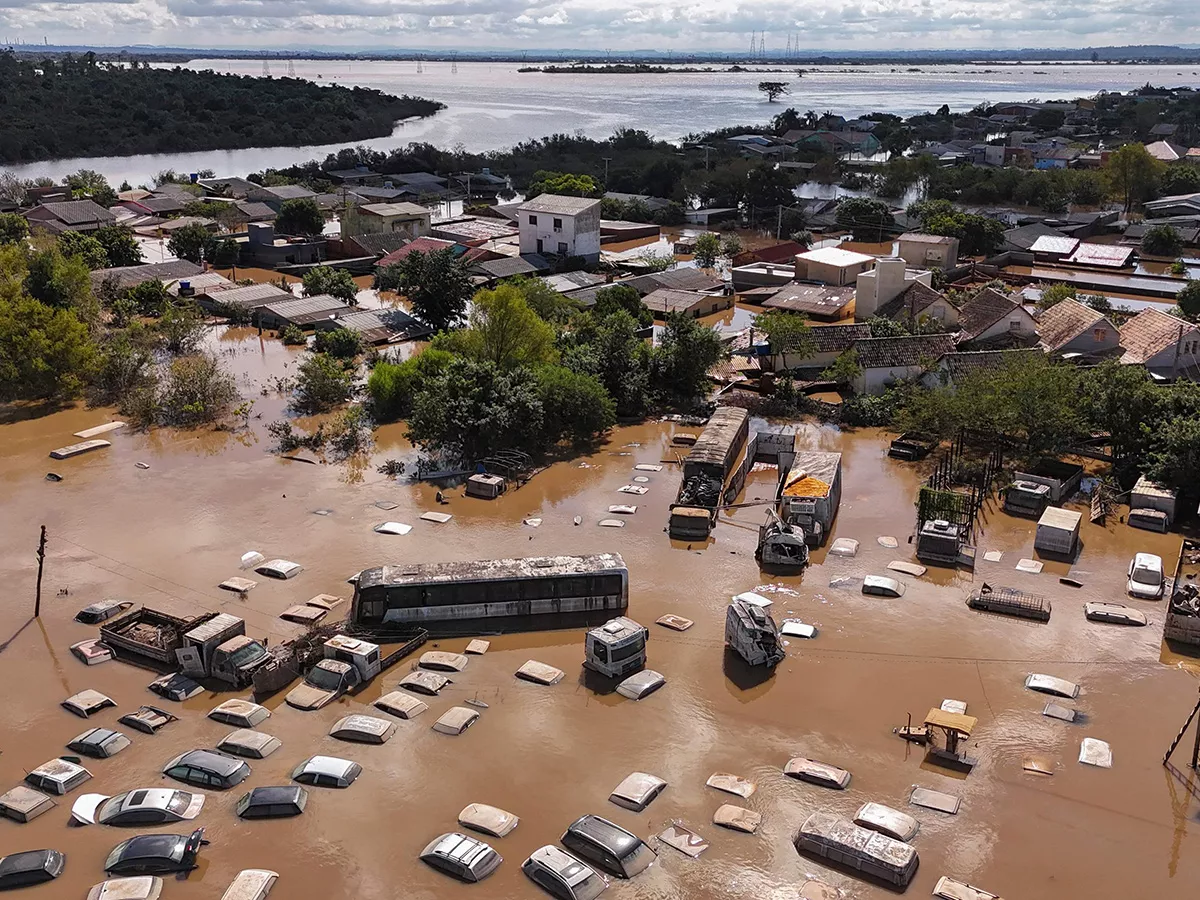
166 535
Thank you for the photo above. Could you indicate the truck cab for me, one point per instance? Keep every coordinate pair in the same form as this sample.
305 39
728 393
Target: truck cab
217 647
617 648
751 633
235 660
362 655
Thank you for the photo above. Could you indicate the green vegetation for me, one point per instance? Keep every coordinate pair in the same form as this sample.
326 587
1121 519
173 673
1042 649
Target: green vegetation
1132 175
621 297
977 235
787 333
707 249
322 384
293 336
76 106
301 216
563 183
328 280
437 285
1162 240
119 246
869 221
340 343
13 229
194 243
1188 300
504 330
773 89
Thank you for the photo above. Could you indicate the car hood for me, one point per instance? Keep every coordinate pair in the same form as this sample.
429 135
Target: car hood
1143 590
84 809
305 696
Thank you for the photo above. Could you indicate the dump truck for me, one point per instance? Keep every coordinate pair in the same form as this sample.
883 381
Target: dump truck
751 633
810 492
705 470
1049 483
149 635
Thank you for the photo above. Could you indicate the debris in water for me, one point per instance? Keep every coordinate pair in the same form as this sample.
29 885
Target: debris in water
532 521
623 509
322 512
1070 582
683 839
1031 566
841 581
674 622
237 585
393 528
53 476
440 518
612 523
907 568
387 505
640 479
994 555
478 647
818 890
1039 765
1095 752
632 489
475 701
648 467
578 520
888 541
844 547
142 465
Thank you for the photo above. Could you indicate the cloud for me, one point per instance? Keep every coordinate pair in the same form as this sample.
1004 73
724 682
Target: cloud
702 25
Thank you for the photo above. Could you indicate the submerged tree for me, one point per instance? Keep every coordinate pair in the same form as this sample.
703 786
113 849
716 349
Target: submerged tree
773 89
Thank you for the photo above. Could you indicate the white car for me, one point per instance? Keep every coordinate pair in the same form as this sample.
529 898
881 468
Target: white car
1145 577
146 806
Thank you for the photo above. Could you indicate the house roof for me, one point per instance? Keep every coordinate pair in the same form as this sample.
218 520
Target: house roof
254 210
912 301
1026 236
205 282
357 172
251 296
688 278
813 299
1113 256
78 212
1057 244
376 192
233 186
417 178
649 201
920 238
565 282
1164 129
1165 151
838 338
418 245
835 256
130 276
288 192
983 311
160 204
391 210
506 267
666 300
900 352
382 326
1149 333
558 204
961 363
380 243
475 229
1065 321
307 310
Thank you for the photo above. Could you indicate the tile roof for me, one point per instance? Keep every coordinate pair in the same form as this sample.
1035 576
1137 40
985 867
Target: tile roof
1065 321
78 212
666 300
1165 151
1149 333
983 311
687 278
158 204
1113 256
417 245
900 352
838 338
506 268
813 299
556 203
254 210
961 363
130 276
910 302
572 281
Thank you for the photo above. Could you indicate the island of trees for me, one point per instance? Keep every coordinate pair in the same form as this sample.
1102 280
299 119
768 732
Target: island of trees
78 106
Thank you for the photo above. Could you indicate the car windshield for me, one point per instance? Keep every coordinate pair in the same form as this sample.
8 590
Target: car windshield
179 802
109 807
638 860
115 856
324 679
1144 575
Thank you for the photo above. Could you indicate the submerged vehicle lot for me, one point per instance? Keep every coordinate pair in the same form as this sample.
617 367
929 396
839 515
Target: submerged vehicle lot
167 535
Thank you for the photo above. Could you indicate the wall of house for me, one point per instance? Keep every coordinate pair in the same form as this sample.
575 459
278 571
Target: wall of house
923 255
354 224
579 234
1166 363
1025 326
835 275
1102 336
797 361
876 381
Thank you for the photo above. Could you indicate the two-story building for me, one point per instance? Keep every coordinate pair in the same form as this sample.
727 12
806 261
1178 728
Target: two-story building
928 251
554 225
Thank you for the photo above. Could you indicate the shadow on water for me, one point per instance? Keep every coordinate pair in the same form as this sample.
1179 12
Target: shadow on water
16 634
744 676
24 412
600 685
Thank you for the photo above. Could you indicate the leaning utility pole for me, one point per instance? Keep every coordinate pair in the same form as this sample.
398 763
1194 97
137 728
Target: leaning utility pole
41 558
1182 732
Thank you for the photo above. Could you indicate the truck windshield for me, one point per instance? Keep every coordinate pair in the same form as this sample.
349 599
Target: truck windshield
628 650
324 679
247 654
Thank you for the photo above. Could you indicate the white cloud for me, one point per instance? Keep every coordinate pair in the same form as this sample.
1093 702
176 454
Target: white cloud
707 25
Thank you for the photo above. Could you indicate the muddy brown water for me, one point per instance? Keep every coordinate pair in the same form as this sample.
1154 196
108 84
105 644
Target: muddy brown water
165 536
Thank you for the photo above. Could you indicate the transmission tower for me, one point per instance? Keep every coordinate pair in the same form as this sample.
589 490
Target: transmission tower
454 63
753 43
762 45
291 68
266 68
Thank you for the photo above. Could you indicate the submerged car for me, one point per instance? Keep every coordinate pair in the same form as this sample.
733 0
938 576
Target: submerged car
562 875
99 743
58 776
608 845
146 806
249 743
251 884
1145 577
176 686
465 858
882 586
155 854
136 887
31 867
1049 684
240 713
1115 613
324 683
327 771
637 791
818 773
147 719
102 611
272 802
208 768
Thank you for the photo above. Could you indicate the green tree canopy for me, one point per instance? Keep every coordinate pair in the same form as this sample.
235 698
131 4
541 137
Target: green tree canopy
119 246
392 386
567 183
340 343
46 353
1162 240
321 384
194 243
773 89
707 249
575 407
13 229
85 247
300 216
977 235
1188 300
1132 175
59 281
680 363
506 332
622 298
867 220
436 284
788 333
89 184
328 280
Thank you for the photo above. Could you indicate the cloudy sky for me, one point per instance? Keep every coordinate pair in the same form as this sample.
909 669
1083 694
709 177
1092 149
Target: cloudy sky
601 24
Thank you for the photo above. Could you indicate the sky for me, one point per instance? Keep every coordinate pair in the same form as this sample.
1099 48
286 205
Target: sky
883 25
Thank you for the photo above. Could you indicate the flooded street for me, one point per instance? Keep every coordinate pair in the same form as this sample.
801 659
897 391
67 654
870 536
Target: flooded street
167 535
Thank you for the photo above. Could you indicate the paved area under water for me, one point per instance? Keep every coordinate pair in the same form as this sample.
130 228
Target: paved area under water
166 535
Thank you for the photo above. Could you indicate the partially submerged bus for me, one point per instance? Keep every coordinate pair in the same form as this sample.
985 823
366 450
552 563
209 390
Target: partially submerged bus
491 596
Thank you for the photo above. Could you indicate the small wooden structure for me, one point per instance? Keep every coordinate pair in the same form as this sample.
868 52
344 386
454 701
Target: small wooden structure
946 732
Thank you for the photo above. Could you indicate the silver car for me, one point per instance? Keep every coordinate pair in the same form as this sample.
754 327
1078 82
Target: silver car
562 875
465 858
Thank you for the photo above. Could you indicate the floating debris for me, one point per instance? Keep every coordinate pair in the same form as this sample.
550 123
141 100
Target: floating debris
1038 765
907 568
632 489
532 521
76 449
53 476
847 547
674 622
478 647
322 512
440 518
994 555
888 541
648 467
1095 752
386 505
238 585
1031 566
612 523
142 465
683 839
622 509
641 479
99 430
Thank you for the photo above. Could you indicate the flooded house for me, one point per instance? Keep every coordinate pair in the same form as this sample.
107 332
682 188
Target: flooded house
1071 330
887 361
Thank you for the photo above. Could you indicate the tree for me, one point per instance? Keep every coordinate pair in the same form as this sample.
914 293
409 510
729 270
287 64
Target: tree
1188 300
768 187
543 299
194 243
328 280
92 185
1132 174
119 246
13 229
622 298
1162 240
867 220
1179 180
611 350
392 386
1175 458
773 89
576 407
226 253
59 281
148 298
706 249
1122 401
567 183
844 369
683 357
84 246
507 332
321 384
340 343
436 284
731 245
787 333
180 327
301 216
977 235
45 353
471 409
195 390
1053 294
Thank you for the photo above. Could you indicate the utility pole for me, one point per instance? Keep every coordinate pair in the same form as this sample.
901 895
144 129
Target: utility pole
606 160
779 222
41 558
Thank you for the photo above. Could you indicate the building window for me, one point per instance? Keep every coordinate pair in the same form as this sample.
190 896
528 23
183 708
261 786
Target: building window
533 220
558 224
562 248
1099 335
1014 325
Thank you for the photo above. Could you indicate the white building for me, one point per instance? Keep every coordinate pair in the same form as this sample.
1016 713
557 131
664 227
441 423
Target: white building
890 278
553 225
831 265
928 251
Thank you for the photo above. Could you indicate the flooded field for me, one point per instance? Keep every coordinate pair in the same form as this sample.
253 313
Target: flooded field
166 535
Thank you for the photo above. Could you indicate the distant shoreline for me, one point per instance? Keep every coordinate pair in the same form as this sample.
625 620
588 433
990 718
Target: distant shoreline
643 69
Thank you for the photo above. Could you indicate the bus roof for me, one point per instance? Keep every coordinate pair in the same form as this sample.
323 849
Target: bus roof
491 569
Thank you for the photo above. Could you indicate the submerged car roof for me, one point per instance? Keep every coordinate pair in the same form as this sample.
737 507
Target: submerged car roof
327 765
261 796
153 846
29 861
460 848
605 833
211 760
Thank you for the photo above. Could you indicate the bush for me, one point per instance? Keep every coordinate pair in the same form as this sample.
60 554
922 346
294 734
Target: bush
867 410
392 385
149 298
1162 240
293 336
1188 300
576 407
192 391
706 250
181 327
321 384
301 216
327 280
341 343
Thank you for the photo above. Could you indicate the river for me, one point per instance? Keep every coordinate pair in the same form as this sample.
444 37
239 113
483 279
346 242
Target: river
492 106
166 535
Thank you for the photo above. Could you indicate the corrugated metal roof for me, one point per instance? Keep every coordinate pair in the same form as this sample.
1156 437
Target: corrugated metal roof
558 204
718 435
1054 245
306 310
1114 256
666 300
251 296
